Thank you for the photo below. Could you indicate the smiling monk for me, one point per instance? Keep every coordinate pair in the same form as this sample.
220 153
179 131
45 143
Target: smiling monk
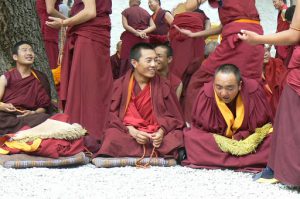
144 112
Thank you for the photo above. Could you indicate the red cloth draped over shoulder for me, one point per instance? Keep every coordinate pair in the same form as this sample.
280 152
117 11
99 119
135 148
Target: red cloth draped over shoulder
165 111
25 93
174 80
85 69
159 35
202 150
275 79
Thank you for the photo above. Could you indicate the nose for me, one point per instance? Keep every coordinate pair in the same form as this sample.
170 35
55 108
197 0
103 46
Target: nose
223 93
153 63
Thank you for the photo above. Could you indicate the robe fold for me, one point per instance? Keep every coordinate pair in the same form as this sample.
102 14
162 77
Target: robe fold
160 34
202 149
86 77
26 94
52 148
284 155
155 108
275 74
235 15
115 65
174 81
282 52
50 35
139 19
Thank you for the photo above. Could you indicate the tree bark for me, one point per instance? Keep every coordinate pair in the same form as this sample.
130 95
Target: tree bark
19 21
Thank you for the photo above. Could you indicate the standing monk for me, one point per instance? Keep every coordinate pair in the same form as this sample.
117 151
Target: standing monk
284 157
137 23
46 8
115 61
162 19
185 64
282 24
234 16
86 77
144 113
223 132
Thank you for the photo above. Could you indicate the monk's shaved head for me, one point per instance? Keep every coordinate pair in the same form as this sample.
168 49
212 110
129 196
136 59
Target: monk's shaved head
134 2
229 69
210 47
135 52
15 48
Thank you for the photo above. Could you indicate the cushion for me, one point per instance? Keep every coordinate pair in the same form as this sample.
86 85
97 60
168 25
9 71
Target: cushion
20 161
103 162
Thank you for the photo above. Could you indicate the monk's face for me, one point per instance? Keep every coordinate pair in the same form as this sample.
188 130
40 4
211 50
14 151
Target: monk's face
153 5
277 4
163 60
25 55
226 86
146 66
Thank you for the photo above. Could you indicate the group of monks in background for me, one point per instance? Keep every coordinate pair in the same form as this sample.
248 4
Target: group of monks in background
169 90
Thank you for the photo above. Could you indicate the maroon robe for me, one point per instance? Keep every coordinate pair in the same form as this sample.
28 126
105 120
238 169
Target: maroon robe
284 157
118 142
282 52
139 19
50 35
86 78
115 65
24 93
202 150
160 35
275 75
174 81
232 50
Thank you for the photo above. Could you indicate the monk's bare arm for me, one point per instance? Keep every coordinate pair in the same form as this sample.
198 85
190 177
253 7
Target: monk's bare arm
288 37
50 6
191 5
3 83
128 27
151 28
169 18
40 110
207 25
88 13
204 33
179 90
4 106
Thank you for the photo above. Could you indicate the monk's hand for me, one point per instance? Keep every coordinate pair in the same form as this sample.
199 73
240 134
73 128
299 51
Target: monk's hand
142 34
54 22
185 31
157 138
140 136
249 37
27 112
7 107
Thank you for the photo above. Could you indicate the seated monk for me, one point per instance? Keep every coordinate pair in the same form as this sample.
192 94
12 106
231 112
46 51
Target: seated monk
145 116
274 75
226 119
164 58
24 99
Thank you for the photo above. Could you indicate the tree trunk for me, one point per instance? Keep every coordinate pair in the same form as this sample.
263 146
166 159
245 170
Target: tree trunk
19 21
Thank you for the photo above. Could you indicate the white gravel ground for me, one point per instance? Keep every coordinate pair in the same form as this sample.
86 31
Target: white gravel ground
175 182
129 182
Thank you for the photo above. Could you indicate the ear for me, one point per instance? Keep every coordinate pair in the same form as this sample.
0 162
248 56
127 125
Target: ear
240 86
15 57
134 63
170 59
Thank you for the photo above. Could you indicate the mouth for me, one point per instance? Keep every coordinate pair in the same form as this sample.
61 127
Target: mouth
29 58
